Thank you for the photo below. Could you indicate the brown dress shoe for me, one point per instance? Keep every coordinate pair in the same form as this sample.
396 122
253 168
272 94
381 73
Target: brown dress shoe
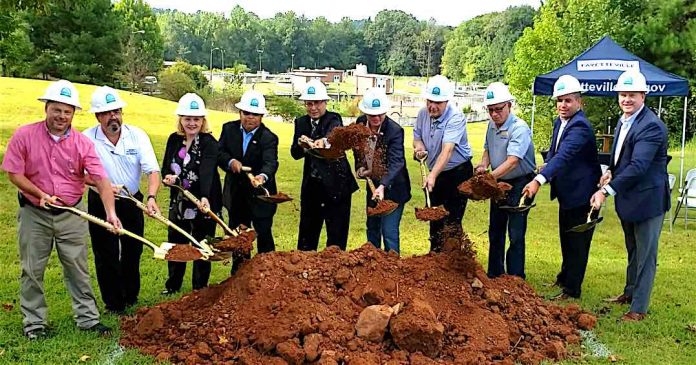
621 299
633 317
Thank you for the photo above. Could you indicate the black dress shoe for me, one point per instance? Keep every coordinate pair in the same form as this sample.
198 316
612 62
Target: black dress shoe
100 329
621 299
36 334
560 297
169 292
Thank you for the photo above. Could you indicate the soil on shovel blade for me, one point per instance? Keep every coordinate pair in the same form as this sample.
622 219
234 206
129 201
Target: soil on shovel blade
238 245
484 186
278 197
183 252
360 307
383 206
431 214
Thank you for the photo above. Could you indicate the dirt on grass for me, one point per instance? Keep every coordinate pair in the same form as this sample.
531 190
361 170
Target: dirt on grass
360 307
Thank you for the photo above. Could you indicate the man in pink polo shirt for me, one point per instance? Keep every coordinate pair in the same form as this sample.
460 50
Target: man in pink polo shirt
47 161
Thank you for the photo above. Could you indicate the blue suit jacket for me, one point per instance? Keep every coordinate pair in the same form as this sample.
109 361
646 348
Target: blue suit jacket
572 169
640 175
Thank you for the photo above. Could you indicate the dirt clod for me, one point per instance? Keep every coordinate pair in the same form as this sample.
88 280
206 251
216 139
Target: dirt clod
484 186
431 214
182 252
382 207
586 321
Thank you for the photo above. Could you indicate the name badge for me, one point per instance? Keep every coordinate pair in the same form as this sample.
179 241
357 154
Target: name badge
131 151
503 134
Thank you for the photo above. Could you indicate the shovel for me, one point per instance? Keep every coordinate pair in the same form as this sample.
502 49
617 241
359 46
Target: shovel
520 207
591 223
160 251
204 248
193 199
372 189
421 161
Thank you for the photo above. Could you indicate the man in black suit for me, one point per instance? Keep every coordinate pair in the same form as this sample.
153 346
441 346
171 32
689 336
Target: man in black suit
327 185
248 142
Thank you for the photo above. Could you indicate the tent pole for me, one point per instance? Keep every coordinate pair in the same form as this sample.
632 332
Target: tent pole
533 110
659 109
681 157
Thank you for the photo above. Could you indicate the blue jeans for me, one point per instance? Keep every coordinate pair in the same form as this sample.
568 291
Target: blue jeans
516 226
386 227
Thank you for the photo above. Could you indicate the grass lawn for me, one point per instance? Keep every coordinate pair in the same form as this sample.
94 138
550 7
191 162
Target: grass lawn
662 339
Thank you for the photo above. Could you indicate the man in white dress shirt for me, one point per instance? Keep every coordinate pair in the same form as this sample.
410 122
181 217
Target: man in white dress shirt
126 153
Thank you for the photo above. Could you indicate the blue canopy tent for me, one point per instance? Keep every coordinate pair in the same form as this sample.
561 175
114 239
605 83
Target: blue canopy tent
598 69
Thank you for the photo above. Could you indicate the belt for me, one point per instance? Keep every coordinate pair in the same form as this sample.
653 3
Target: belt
23 201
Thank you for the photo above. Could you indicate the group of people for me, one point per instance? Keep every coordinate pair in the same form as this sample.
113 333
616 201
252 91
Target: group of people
51 163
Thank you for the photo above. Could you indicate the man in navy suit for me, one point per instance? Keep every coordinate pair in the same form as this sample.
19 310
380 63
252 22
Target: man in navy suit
637 178
572 170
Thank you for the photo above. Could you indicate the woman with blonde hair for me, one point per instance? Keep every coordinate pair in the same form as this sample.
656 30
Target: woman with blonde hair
190 159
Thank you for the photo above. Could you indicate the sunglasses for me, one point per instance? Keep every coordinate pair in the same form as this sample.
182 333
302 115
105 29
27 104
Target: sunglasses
496 110
250 114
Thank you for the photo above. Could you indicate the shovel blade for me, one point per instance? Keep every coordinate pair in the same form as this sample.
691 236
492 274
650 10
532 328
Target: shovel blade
517 209
586 226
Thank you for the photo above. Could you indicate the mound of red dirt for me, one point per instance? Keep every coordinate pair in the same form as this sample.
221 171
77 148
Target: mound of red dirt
358 307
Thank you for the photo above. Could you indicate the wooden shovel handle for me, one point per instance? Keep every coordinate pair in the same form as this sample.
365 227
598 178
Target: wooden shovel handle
424 179
105 224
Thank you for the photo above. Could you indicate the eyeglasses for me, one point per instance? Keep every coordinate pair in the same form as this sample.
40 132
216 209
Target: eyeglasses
246 113
310 104
496 110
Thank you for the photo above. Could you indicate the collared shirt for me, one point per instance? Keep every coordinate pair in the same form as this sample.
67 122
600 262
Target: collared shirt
626 124
56 167
125 161
564 122
513 138
450 127
246 138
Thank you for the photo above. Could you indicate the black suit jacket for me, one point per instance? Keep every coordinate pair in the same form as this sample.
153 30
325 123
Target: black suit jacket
390 148
261 155
335 175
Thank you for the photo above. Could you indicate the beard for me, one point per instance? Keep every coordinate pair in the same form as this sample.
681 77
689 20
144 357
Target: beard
113 126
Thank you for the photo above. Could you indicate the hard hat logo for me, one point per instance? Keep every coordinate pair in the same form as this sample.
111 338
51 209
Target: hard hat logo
436 90
311 90
628 80
194 105
560 87
254 102
490 95
110 98
376 103
65 92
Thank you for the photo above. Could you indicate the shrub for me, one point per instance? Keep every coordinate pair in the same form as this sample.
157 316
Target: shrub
174 85
285 107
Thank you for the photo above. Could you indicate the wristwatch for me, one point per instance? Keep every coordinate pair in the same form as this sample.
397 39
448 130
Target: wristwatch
605 192
152 197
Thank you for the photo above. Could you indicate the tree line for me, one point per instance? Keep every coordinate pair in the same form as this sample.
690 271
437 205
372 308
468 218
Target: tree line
101 42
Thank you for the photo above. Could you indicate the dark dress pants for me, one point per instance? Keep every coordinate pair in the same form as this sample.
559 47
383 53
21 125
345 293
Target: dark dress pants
117 258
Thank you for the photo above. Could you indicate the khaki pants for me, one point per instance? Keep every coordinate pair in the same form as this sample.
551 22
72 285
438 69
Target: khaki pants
39 230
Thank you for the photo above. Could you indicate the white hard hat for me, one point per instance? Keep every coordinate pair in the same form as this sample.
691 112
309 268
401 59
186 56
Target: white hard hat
62 91
438 89
374 102
253 102
314 90
565 85
105 99
191 105
497 93
631 80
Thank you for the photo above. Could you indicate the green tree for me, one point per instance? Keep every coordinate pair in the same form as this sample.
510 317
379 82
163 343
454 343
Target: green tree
477 49
143 46
80 41
561 31
16 48
174 84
